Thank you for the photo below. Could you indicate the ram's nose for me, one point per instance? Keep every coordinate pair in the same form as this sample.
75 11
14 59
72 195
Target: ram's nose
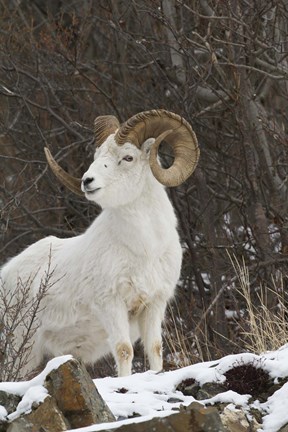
86 181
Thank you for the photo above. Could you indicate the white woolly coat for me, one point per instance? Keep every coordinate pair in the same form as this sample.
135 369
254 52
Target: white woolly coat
108 286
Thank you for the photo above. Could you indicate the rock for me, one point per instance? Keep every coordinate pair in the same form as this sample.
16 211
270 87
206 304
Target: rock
3 426
195 418
76 395
274 386
205 419
256 414
174 400
235 421
9 401
209 390
46 417
284 428
255 426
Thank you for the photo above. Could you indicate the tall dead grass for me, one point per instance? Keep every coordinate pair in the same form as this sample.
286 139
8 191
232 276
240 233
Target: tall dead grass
264 325
183 345
259 322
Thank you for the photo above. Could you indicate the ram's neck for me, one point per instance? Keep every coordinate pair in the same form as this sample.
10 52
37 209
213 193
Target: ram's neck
146 224
152 201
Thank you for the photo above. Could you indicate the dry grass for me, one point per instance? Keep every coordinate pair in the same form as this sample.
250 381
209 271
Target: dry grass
175 339
260 325
264 327
182 345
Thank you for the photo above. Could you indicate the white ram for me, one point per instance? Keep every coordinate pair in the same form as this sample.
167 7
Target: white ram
112 283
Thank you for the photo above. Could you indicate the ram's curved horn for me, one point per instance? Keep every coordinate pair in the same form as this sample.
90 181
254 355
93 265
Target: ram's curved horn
162 124
72 183
103 127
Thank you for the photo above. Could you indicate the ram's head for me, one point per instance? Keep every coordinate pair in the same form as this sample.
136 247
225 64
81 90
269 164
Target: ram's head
135 142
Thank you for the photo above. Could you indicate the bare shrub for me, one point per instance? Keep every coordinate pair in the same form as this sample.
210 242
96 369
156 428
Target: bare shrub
19 313
248 378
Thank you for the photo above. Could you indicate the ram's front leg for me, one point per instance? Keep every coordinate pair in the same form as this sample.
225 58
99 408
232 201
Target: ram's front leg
116 325
150 323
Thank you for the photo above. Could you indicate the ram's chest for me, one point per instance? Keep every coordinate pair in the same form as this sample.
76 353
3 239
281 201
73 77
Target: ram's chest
137 305
134 294
140 282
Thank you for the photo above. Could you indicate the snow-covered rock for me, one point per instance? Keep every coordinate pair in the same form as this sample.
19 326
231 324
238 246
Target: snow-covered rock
245 389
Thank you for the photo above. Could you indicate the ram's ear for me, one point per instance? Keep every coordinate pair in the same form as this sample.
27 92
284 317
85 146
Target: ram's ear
146 146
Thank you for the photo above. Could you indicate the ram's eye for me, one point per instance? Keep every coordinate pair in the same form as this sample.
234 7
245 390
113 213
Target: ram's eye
128 158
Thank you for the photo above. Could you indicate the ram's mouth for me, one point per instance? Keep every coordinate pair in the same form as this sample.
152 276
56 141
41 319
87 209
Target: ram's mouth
90 192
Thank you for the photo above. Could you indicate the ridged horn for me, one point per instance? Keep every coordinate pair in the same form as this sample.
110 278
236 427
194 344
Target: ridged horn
103 127
72 183
162 124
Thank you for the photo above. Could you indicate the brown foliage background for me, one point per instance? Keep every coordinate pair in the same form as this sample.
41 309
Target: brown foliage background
220 64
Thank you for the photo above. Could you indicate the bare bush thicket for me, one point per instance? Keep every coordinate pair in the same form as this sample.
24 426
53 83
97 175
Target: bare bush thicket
19 313
223 65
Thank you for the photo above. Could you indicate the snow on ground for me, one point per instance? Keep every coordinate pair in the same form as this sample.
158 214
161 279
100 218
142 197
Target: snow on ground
148 393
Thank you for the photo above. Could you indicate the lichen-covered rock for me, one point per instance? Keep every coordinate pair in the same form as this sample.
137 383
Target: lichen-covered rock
194 418
205 419
45 417
235 421
76 395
